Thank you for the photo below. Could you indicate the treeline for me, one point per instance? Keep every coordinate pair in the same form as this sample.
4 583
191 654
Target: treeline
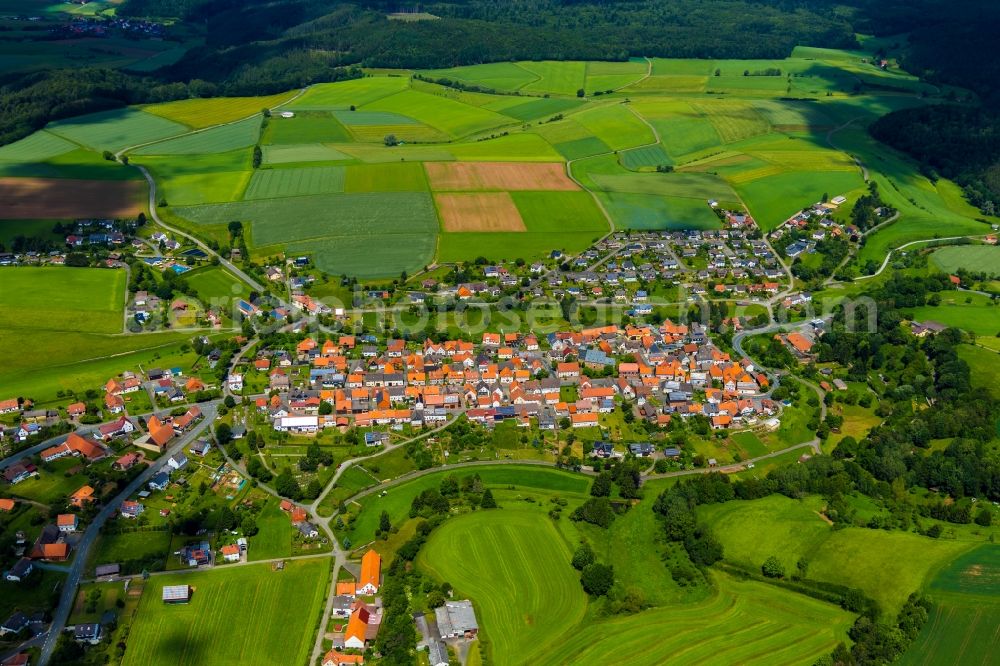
958 142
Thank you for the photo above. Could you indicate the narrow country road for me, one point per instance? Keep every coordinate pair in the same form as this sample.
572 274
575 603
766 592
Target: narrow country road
66 599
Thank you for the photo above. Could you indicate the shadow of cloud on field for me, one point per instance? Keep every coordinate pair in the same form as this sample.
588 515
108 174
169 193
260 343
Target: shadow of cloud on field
177 645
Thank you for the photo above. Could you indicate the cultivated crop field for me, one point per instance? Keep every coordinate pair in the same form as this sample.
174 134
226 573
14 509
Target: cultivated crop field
231 617
198 113
478 212
744 622
471 176
962 628
730 132
44 198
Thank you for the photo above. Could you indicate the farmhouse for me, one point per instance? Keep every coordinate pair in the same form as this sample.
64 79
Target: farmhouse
371 573
334 658
363 626
67 522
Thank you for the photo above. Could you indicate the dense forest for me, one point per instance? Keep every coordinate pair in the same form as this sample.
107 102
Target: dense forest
957 142
953 43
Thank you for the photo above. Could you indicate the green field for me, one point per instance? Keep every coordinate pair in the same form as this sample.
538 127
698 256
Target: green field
974 258
274 538
274 183
972 312
62 299
962 628
744 622
37 147
513 564
378 234
515 567
61 360
397 500
984 367
737 137
115 130
308 152
217 287
222 139
305 127
887 566
202 632
198 113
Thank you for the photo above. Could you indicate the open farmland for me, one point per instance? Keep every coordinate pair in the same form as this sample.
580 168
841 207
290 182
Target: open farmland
744 622
471 176
366 234
272 183
63 299
222 139
305 127
478 212
750 146
46 199
962 628
198 113
201 632
115 130
973 258
515 567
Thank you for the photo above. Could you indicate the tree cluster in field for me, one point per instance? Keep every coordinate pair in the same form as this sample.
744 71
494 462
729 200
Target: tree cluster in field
917 373
876 642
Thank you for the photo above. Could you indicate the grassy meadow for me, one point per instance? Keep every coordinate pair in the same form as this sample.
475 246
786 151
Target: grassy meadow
886 566
964 615
251 597
513 563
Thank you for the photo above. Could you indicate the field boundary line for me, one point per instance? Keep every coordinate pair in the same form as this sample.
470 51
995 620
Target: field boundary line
301 92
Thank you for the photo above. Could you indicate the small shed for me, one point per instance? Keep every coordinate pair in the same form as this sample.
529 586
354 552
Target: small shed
176 594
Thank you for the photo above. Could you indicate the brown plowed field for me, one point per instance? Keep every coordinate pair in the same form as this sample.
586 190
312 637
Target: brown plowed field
511 176
479 212
55 198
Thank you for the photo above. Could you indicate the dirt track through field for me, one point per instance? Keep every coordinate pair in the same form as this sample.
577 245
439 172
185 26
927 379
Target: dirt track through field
53 198
479 212
512 176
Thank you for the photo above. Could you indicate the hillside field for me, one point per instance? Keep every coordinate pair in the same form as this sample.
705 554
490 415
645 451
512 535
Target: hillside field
886 566
731 137
225 601
962 628
974 258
